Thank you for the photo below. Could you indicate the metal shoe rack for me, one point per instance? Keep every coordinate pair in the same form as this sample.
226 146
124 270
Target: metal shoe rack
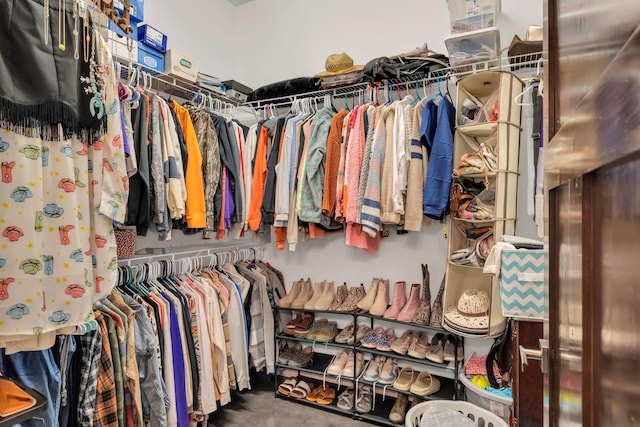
384 396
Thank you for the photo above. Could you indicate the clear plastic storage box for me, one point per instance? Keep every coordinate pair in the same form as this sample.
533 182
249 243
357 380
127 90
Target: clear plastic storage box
472 15
473 47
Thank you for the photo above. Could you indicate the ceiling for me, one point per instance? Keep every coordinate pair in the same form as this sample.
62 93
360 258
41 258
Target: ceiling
239 2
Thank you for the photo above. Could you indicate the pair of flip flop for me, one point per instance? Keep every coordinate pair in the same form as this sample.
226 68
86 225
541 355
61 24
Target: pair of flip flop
304 390
322 395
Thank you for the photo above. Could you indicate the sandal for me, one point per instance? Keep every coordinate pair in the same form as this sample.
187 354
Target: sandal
345 400
315 394
291 326
327 396
304 325
425 384
287 386
301 390
364 403
405 378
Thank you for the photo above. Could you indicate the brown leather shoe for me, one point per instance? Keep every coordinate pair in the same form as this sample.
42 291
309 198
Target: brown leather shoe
303 325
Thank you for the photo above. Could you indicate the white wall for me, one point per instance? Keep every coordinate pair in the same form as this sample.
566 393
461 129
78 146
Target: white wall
265 41
203 29
281 39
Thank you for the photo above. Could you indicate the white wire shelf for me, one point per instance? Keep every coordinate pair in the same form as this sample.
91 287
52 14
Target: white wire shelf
532 61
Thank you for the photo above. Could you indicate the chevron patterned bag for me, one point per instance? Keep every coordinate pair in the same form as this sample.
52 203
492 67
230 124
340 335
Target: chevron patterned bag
522 273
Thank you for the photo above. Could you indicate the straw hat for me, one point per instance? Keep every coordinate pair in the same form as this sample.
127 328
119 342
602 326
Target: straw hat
337 64
472 311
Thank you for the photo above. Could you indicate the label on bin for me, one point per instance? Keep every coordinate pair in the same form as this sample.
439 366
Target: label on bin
154 35
150 61
473 10
496 408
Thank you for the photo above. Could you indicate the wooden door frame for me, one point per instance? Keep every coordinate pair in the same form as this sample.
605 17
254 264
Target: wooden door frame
576 149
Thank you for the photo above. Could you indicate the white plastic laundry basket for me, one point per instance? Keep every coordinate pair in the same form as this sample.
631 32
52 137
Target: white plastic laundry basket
480 416
499 405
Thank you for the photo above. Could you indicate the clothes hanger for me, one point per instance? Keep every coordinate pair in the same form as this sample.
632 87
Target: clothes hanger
150 86
528 87
346 102
439 93
417 98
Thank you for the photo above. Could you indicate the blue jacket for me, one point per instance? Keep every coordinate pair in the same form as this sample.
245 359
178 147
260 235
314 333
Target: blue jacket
435 202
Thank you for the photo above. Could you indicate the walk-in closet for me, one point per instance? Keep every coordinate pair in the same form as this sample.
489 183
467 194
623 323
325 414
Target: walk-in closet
320 213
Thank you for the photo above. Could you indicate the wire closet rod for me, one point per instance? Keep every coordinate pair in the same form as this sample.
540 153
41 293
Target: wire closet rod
161 79
166 254
457 72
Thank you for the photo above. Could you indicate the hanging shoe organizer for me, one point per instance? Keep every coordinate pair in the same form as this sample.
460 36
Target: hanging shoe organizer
483 198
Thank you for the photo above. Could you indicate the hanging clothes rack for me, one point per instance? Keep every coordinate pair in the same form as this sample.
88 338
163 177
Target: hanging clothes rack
237 252
454 72
170 85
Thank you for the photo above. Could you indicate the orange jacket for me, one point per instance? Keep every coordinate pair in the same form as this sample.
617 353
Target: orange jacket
259 178
196 211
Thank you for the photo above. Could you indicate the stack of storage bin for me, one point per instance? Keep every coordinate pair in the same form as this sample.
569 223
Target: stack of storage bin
475 36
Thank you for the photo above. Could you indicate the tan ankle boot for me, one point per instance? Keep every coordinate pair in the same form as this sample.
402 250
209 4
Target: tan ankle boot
413 304
365 303
317 293
325 300
381 302
305 294
292 295
399 300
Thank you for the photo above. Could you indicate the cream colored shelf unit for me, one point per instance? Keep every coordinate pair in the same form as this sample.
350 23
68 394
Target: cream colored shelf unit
495 90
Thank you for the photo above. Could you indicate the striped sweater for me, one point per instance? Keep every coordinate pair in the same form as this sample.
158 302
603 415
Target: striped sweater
372 113
370 213
416 176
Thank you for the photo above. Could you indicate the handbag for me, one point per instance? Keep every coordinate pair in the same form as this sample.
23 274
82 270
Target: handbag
484 161
501 352
13 399
465 205
384 68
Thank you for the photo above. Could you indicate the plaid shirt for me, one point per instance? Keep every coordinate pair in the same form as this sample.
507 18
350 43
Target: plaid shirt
106 413
91 349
